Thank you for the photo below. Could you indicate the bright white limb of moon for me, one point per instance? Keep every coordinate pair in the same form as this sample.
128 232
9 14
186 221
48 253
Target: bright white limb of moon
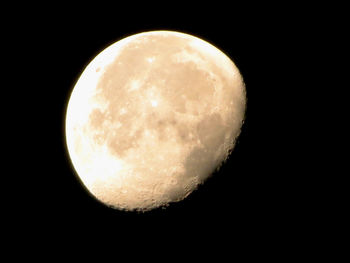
151 117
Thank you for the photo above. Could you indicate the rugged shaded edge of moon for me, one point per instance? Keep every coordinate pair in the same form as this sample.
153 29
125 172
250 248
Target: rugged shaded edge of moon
151 117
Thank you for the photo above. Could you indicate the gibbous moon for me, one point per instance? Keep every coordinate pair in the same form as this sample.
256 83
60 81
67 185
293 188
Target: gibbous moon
151 117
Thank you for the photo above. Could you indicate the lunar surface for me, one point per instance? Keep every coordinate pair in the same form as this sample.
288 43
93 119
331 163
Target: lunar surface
151 117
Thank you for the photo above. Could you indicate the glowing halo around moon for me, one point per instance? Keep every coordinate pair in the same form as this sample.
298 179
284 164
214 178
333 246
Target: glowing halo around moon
151 117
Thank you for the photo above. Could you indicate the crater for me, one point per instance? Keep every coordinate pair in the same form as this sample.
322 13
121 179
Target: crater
211 131
183 132
199 163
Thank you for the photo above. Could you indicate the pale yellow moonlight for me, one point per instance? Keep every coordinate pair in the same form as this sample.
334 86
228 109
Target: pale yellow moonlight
151 117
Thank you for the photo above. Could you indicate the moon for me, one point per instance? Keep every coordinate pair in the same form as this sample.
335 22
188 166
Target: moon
152 117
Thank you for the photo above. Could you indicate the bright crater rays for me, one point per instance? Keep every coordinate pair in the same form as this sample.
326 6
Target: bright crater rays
151 117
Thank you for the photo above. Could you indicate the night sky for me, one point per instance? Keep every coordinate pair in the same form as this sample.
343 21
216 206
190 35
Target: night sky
255 193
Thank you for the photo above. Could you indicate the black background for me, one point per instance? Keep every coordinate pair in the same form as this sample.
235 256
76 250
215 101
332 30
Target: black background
256 196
